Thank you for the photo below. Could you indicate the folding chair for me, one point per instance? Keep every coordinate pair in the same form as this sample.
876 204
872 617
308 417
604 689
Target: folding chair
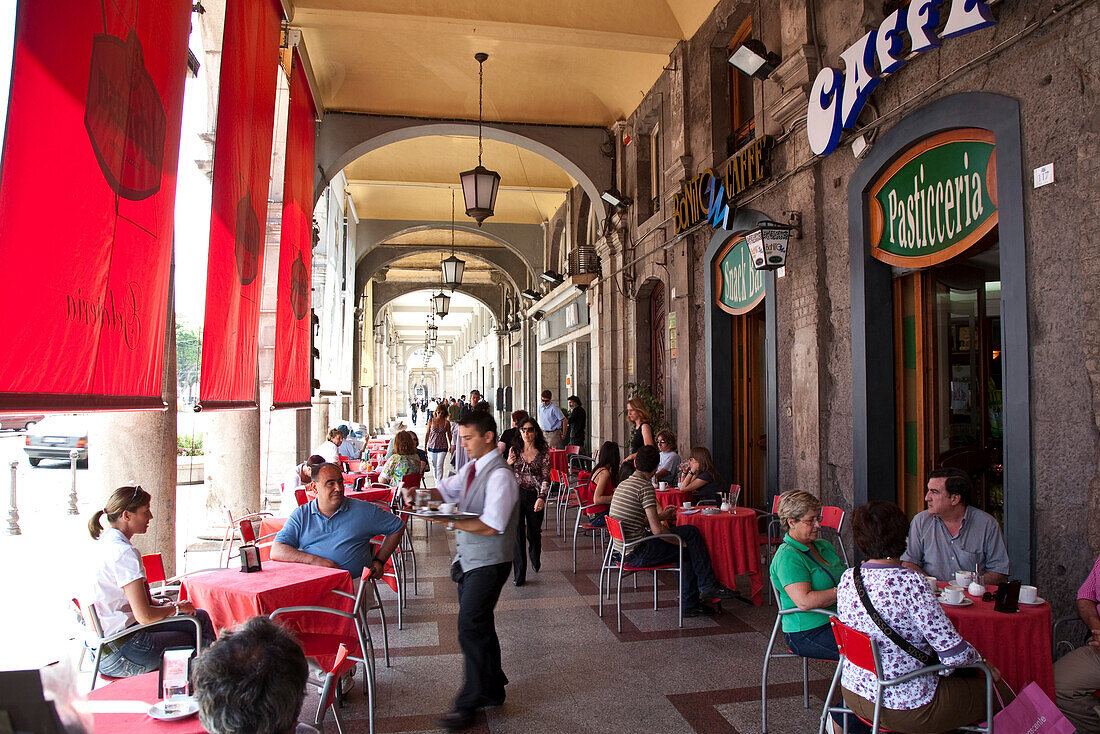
769 655
609 565
584 505
861 650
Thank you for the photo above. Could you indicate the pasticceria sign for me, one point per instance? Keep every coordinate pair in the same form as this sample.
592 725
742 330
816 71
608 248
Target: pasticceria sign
708 195
935 201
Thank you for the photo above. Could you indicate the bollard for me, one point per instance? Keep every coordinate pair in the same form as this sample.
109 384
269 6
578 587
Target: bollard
73 456
13 514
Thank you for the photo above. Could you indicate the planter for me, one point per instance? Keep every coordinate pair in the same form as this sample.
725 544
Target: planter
189 470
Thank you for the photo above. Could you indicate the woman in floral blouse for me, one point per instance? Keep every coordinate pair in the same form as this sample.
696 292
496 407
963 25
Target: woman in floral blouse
404 461
927 703
532 468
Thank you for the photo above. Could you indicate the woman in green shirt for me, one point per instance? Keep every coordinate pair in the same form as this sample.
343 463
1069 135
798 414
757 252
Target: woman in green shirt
806 570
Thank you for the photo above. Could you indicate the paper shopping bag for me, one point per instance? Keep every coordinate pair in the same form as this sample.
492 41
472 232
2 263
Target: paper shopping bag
1032 713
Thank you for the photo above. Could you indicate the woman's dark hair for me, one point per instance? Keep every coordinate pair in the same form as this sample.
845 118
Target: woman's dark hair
519 416
706 463
540 439
609 458
121 500
880 529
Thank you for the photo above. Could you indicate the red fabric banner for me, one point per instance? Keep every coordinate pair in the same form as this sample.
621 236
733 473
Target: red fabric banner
292 323
87 191
238 217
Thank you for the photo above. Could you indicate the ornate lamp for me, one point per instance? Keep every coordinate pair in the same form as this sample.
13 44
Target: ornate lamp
442 304
452 266
479 185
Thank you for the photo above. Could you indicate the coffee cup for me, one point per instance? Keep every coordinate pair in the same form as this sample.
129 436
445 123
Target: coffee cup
686 506
1029 594
933 583
953 594
662 486
963 578
447 508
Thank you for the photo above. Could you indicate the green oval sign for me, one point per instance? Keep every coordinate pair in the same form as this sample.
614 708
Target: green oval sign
936 201
738 284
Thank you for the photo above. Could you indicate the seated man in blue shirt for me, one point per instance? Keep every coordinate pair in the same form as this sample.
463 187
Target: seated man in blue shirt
335 532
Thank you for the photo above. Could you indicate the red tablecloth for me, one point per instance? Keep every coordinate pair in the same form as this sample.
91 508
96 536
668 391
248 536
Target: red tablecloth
1018 644
558 459
733 546
231 597
122 706
672 497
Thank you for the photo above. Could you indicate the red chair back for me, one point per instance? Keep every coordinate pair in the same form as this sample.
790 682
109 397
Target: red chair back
300 497
411 481
248 535
555 476
832 517
775 505
340 667
855 646
154 569
615 528
571 449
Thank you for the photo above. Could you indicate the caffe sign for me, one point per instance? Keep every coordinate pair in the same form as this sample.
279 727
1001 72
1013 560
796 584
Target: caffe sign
936 201
739 286
707 197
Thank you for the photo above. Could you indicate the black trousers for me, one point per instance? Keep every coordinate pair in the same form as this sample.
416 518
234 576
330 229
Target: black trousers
478 592
528 535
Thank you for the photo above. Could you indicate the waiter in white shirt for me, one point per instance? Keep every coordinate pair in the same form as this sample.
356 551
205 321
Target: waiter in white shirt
487 487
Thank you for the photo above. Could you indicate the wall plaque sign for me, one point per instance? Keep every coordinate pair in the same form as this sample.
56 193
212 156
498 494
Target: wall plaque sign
936 201
739 286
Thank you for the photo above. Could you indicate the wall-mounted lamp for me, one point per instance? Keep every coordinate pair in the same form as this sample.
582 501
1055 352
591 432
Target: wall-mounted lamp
538 315
530 294
553 278
753 58
615 199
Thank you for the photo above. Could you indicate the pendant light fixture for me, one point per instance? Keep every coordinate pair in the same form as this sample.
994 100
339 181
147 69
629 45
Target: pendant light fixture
479 186
452 266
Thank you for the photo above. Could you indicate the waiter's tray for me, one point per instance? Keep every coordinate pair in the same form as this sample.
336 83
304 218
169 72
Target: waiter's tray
437 515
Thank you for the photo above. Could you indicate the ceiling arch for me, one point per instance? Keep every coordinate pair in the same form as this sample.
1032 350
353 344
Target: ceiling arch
386 293
510 267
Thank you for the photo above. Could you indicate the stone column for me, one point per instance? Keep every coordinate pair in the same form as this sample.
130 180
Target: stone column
318 430
140 447
231 442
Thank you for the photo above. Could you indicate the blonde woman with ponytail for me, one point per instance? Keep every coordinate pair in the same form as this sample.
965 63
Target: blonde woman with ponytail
121 595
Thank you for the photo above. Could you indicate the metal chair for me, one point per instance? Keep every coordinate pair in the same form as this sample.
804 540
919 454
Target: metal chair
91 621
157 579
583 507
225 551
609 565
330 689
769 655
301 497
859 649
832 518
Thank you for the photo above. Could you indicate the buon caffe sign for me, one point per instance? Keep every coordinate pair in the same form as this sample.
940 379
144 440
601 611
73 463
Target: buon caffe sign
738 284
936 201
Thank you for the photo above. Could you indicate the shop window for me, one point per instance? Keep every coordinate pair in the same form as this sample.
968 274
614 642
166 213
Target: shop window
648 196
741 93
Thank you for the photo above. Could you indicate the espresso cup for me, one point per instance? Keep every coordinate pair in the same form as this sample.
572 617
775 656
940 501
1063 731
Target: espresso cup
953 594
1028 594
662 486
686 506
963 578
447 508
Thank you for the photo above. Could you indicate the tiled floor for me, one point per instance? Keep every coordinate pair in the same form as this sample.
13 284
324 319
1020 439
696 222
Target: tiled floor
571 671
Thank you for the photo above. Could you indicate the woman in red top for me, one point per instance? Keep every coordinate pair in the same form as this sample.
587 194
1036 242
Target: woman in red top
601 485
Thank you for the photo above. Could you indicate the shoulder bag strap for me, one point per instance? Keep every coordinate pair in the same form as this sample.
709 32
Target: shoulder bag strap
922 657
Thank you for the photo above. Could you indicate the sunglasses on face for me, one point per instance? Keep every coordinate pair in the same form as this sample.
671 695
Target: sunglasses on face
527 430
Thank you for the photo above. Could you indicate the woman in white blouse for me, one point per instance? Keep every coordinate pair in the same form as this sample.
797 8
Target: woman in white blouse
121 595
927 703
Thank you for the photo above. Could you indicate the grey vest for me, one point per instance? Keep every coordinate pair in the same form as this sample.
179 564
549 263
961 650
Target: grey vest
475 551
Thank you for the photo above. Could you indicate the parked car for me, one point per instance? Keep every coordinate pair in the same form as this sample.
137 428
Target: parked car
19 421
54 436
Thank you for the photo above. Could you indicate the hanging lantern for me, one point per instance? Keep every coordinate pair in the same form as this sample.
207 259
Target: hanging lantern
479 185
768 245
452 271
442 304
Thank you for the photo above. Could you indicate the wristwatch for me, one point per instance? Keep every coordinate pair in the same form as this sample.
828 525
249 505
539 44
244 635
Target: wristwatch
451 525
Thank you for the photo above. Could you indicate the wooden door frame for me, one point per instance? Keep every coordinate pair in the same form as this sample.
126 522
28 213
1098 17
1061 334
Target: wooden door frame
873 407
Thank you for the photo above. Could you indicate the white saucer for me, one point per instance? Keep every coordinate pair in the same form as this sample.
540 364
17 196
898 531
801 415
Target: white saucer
1038 600
964 603
689 512
190 708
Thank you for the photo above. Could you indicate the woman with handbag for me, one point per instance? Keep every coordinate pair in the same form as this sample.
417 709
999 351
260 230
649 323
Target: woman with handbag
894 606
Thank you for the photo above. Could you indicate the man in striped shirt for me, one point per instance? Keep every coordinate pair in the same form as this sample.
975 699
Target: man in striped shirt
634 505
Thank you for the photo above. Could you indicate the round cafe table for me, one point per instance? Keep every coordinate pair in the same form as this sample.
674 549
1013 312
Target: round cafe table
672 497
733 546
1018 644
122 706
